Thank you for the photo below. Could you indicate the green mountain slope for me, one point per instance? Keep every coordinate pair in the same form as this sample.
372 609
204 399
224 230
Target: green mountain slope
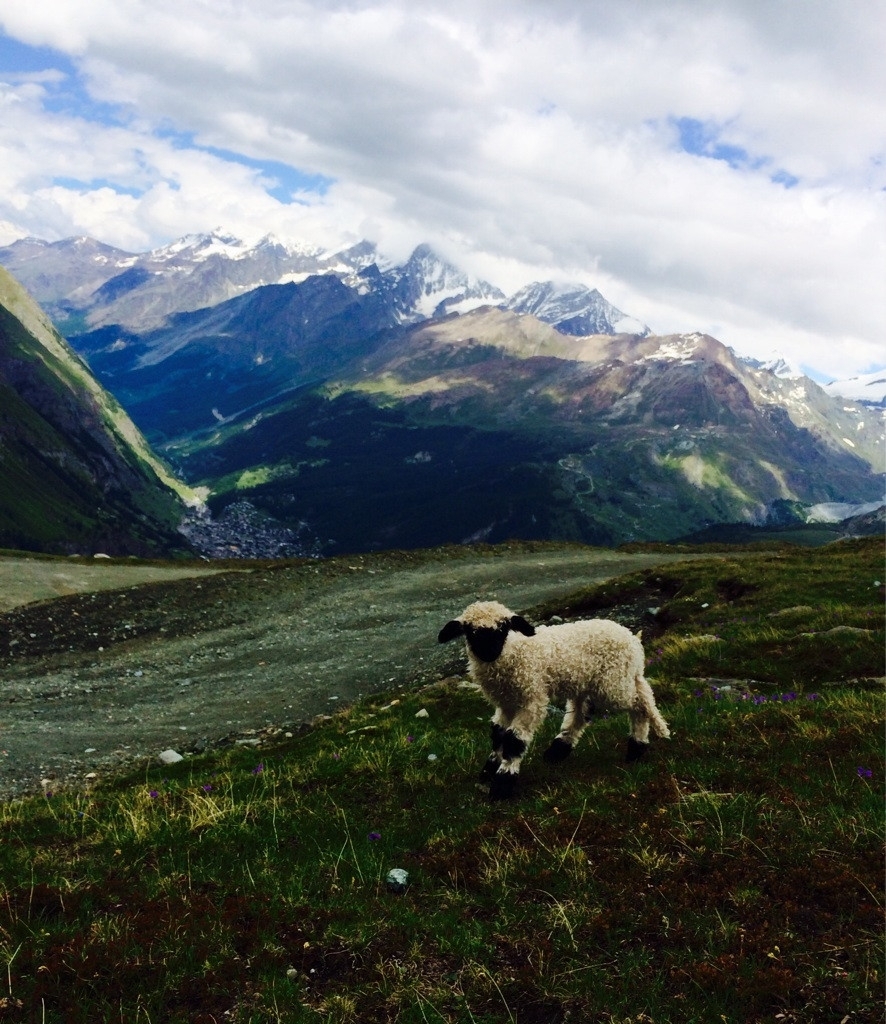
75 472
492 426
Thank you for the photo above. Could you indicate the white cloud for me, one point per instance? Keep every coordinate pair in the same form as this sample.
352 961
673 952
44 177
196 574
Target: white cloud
525 138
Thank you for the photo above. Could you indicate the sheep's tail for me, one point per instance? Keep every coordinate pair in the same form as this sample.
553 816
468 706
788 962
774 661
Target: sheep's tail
657 725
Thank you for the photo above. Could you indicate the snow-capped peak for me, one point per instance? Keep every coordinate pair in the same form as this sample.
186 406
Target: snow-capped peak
868 387
776 364
573 309
201 247
427 286
288 246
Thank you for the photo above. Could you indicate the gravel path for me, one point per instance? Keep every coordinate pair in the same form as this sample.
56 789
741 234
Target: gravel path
94 681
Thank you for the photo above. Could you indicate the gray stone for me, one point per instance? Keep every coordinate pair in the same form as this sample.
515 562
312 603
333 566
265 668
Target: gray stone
397 879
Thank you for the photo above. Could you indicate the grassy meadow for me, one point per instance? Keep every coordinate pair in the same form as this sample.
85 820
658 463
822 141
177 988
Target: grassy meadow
734 875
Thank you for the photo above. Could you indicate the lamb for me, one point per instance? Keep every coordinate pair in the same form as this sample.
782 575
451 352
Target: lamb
593 665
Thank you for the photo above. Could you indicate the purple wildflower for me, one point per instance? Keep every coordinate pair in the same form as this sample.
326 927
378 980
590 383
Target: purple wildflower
864 773
153 794
760 699
207 788
374 836
259 768
812 696
410 739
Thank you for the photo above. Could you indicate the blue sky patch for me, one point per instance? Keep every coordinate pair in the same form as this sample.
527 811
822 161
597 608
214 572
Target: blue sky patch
283 182
68 95
20 58
785 178
280 180
702 138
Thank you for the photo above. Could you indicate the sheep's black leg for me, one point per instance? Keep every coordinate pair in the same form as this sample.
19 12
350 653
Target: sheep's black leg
514 745
638 741
497 735
558 751
503 785
573 726
635 749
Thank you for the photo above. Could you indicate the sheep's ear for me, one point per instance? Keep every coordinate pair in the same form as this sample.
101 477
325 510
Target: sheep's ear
522 626
450 631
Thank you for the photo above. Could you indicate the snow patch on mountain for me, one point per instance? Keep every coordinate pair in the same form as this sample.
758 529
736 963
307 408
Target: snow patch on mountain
681 349
869 388
837 511
196 248
776 364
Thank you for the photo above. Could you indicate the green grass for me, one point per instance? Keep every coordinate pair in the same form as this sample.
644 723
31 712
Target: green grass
734 875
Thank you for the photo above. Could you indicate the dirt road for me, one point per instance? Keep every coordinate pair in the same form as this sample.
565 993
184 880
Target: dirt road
31 578
91 681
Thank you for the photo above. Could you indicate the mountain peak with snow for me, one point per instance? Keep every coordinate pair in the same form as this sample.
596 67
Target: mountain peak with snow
869 388
776 364
573 309
427 285
202 246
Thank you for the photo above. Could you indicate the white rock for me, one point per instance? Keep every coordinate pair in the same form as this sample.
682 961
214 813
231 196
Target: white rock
422 714
397 879
170 757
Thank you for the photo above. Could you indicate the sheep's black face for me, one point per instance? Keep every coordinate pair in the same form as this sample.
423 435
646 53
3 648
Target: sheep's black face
487 643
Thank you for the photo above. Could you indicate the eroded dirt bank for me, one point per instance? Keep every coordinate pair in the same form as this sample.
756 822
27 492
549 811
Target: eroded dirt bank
91 681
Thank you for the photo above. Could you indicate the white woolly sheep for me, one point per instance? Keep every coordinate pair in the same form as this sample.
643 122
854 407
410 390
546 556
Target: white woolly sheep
594 665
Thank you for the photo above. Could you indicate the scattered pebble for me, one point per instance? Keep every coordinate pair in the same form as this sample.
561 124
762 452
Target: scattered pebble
422 714
170 757
397 879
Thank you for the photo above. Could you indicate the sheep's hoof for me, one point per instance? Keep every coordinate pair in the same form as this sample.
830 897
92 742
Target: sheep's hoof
635 749
558 751
503 787
490 768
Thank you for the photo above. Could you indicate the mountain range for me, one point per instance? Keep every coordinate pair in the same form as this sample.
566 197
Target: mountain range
84 284
361 404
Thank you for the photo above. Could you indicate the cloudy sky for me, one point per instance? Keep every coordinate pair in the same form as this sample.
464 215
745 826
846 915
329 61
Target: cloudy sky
712 165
